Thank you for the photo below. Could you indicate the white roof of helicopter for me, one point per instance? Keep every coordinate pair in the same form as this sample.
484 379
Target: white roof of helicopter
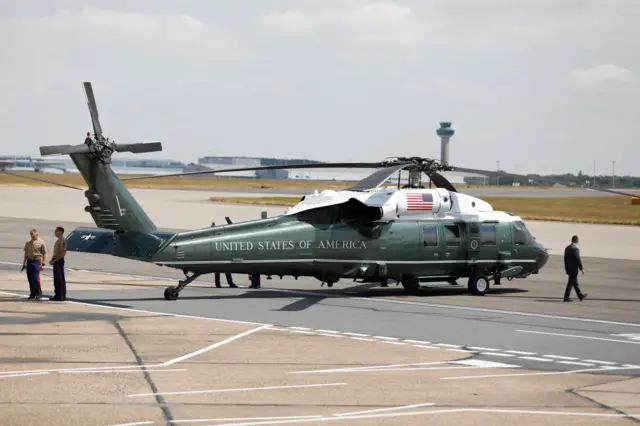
465 207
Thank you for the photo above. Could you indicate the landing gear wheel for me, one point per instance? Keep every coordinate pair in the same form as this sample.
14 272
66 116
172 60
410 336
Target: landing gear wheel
478 285
411 286
171 293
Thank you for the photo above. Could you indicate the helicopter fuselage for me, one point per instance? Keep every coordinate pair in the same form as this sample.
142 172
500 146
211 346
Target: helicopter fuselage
314 243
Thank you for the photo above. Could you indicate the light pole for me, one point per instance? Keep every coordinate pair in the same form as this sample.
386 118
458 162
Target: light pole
613 175
498 169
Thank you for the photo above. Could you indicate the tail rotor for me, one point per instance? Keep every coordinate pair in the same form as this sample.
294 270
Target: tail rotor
94 160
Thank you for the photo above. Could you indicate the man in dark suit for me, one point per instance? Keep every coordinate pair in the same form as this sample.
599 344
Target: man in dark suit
573 265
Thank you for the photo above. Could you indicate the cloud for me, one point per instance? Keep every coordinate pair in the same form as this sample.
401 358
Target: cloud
378 22
289 22
606 73
91 28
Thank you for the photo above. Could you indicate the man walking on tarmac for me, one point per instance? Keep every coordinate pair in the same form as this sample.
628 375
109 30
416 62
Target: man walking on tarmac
35 251
573 264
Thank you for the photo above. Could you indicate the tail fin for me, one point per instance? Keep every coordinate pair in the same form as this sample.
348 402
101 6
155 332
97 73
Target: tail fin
111 205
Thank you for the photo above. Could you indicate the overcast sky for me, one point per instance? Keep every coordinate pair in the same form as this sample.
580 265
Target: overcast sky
543 86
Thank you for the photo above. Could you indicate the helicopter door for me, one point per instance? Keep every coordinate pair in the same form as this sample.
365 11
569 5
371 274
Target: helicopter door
473 241
452 249
430 243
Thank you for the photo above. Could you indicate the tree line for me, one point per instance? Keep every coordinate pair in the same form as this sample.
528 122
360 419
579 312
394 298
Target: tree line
568 179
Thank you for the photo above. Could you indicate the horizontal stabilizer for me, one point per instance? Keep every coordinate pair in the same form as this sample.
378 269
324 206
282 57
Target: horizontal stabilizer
64 149
138 148
130 245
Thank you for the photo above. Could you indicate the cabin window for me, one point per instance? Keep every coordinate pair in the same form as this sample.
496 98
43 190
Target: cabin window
519 233
430 235
452 235
488 235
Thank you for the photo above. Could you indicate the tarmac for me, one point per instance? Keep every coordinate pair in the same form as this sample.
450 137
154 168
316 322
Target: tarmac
117 353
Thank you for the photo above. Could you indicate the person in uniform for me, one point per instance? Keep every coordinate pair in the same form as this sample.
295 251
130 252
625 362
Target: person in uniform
227 275
229 280
573 265
88 141
57 261
255 280
35 251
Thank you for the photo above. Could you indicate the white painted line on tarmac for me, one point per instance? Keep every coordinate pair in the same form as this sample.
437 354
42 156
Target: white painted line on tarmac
369 367
497 354
580 337
385 338
585 364
215 345
433 412
328 331
38 373
153 370
379 410
546 373
460 350
330 335
484 364
600 362
240 389
134 424
140 311
445 345
356 334
521 352
428 347
533 358
300 328
378 300
479 348
419 342
560 357
236 419
364 339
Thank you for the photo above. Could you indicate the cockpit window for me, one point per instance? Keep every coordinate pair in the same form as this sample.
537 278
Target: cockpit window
520 233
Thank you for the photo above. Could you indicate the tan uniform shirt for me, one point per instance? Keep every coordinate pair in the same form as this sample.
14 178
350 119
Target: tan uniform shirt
35 249
59 249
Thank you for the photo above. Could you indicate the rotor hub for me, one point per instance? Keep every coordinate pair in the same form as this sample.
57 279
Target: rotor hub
418 164
102 150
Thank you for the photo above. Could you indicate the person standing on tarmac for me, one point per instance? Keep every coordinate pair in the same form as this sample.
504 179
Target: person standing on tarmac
35 251
229 280
57 261
573 264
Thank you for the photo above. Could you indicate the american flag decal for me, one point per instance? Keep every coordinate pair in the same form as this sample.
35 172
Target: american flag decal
419 201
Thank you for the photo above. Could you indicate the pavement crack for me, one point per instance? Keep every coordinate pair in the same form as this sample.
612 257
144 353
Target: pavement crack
576 391
160 400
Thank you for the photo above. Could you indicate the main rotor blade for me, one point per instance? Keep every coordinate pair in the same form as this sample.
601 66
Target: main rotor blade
64 149
613 191
138 148
275 167
40 180
442 182
93 109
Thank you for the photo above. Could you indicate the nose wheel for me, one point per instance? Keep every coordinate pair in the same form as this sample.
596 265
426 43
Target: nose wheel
172 293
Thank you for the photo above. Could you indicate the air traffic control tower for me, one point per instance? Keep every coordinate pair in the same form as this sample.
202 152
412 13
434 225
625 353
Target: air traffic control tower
445 132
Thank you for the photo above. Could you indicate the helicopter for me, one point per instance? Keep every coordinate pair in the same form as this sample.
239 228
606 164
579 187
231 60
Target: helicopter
411 234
